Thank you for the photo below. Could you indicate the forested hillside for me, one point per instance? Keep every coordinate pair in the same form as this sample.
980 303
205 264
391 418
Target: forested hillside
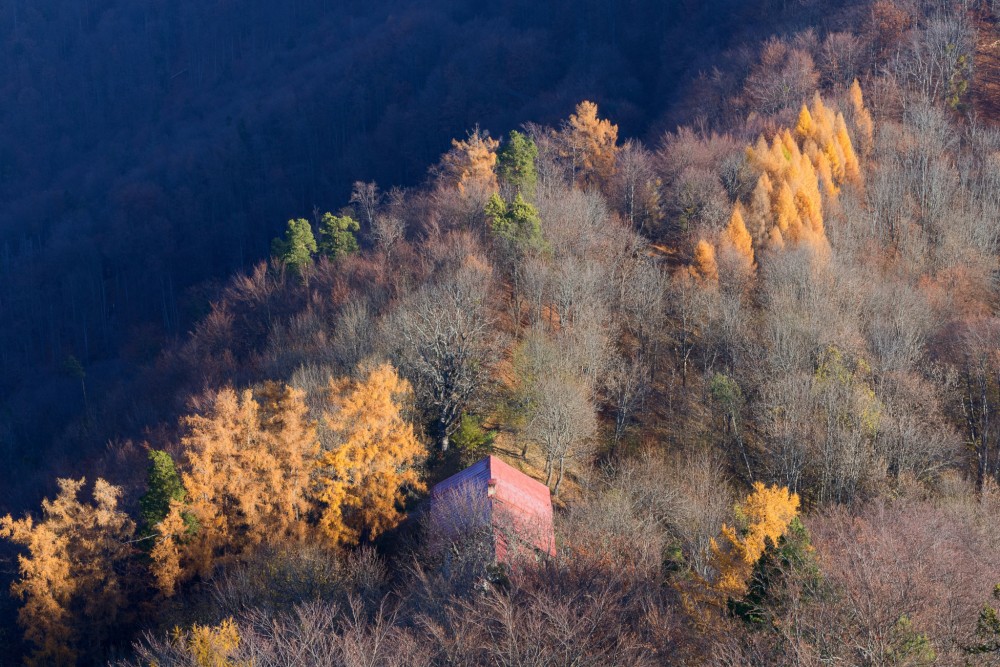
722 276
152 149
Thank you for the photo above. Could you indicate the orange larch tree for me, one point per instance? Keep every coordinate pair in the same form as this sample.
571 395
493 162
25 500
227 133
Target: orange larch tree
245 470
737 238
825 173
758 217
852 170
862 119
765 515
470 165
805 128
798 169
292 446
361 483
786 213
590 143
73 578
705 266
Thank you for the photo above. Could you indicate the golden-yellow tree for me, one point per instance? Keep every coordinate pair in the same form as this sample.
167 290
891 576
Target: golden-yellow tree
705 267
736 238
170 564
825 172
852 170
290 448
786 213
799 170
808 199
210 646
759 219
73 577
805 128
361 482
470 165
246 471
216 445
764 517
862 119
590 143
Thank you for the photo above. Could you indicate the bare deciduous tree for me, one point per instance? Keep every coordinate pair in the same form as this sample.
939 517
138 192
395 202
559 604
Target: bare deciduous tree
446 343
387 231
938 62
559 414
979 395
842 58
626 385
644 306
785 76
366 198
635 187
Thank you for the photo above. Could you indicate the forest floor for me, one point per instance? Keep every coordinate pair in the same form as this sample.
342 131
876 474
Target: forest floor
986 70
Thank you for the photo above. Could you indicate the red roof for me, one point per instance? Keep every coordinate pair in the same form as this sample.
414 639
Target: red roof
517 506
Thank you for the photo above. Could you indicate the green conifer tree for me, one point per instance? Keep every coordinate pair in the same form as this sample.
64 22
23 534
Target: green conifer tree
516 163
987 636
163 484
518 223
337 235
472 439
496 211
297 247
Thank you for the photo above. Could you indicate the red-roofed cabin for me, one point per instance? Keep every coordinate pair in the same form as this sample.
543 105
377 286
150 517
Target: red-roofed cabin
516 509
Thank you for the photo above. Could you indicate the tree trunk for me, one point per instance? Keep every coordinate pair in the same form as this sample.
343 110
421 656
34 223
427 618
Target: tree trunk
562 468
743 449
444 438
548 471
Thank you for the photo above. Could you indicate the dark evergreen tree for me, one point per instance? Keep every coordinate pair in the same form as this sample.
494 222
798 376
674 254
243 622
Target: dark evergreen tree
163 484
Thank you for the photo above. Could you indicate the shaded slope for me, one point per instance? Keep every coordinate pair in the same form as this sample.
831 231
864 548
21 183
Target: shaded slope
986 72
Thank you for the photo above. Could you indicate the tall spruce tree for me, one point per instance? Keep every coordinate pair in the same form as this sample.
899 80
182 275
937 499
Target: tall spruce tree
163 484
297 246
516 163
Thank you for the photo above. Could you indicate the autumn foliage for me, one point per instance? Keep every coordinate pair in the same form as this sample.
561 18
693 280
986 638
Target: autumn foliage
470 165
862 119
765 515
736 239
254 473
705 267
590 144
800 172
211 646
361 483
692 341
245 473
73 574
801 167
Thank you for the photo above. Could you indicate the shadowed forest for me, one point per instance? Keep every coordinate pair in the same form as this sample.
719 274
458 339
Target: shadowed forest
152 150
722 275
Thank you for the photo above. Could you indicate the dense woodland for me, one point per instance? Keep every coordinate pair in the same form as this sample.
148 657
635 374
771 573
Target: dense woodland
722 275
